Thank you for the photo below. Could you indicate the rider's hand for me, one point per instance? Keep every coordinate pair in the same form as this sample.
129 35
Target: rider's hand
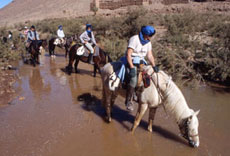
132 72
156 69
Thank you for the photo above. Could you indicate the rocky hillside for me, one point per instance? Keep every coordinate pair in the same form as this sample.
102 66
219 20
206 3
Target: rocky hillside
25 10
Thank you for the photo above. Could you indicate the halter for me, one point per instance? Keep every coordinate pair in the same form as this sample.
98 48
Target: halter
183 126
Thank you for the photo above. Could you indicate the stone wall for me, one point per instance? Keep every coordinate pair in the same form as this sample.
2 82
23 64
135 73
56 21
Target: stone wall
115 4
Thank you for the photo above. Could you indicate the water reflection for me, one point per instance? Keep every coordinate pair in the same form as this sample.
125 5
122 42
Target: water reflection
37 83
57 72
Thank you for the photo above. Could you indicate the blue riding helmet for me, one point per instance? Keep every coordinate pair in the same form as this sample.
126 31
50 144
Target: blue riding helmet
146 30
60 27
88 26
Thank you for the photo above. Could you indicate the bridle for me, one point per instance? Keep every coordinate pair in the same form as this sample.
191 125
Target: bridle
183 126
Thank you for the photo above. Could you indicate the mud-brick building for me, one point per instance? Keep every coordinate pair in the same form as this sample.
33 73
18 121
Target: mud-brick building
114 4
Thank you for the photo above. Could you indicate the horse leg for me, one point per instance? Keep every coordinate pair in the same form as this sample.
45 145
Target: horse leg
37 59
66 51
140 114
69 68
113 98
108 106
152 112
33 61
76 64
94 70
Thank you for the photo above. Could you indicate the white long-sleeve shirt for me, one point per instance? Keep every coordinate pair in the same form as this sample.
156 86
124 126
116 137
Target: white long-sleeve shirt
85 37
60 33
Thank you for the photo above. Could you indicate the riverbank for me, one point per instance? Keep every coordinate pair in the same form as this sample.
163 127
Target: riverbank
7 90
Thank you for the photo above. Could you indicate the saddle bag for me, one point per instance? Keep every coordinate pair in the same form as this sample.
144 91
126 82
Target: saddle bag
146 79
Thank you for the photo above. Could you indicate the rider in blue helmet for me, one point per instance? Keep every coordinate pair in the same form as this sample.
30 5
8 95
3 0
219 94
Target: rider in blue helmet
139 47
61 34
87 38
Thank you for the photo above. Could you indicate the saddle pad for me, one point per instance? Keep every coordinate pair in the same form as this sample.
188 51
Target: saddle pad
57 41
81 50
84 51
114 82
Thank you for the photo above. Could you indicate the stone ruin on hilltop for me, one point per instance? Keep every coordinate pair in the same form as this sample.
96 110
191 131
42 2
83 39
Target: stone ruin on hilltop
115 4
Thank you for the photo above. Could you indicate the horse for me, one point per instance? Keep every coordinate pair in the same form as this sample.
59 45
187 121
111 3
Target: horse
161 91
67 45
34 50
99 60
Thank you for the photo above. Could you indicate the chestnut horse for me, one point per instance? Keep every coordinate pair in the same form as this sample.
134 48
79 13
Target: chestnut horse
99 60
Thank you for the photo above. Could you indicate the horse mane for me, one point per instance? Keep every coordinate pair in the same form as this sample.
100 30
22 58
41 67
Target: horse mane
106 54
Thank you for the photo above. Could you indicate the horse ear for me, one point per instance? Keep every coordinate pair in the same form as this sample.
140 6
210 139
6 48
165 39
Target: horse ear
197 112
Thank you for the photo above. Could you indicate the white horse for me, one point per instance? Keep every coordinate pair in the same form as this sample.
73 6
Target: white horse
162 90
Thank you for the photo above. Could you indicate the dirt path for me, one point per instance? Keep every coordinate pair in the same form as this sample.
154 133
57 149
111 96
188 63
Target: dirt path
50 121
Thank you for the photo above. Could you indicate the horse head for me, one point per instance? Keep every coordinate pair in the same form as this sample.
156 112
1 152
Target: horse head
44 44
189 129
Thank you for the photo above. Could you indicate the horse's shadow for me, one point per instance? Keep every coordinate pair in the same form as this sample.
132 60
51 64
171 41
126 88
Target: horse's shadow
80 71
92 103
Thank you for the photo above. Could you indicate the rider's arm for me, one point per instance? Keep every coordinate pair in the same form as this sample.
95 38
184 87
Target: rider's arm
93 39
82 37
151 58
129 57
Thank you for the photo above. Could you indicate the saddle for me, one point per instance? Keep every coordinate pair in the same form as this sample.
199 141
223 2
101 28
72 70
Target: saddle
143 79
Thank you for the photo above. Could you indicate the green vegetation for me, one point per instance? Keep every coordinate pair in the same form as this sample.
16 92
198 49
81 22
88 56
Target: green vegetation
193 48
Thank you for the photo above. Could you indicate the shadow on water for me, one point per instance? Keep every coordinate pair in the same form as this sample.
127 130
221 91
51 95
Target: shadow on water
80 71
92 103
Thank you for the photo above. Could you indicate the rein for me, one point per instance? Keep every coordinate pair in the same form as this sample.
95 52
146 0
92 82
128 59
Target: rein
158 90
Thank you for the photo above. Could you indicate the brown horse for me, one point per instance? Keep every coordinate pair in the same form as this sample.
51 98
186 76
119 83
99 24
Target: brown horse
67 45
34 50
99 60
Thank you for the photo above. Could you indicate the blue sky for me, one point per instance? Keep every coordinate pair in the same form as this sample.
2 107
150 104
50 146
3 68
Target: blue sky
4 3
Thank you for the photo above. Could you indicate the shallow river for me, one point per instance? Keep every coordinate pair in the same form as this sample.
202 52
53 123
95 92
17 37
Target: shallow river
47 119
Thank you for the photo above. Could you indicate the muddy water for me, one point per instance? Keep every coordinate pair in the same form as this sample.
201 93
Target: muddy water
47 119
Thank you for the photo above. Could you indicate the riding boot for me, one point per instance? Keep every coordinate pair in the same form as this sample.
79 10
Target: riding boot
90 59
129 98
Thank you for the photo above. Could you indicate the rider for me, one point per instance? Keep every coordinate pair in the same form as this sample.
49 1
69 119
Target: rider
10 35
87 38
61 34
31 36
139 46
25 32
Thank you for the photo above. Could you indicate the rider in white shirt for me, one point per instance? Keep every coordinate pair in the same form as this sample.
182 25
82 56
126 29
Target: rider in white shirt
87 38
61 34
139 47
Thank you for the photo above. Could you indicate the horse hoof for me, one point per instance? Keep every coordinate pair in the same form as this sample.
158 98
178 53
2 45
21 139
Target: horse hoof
150 129
108 119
